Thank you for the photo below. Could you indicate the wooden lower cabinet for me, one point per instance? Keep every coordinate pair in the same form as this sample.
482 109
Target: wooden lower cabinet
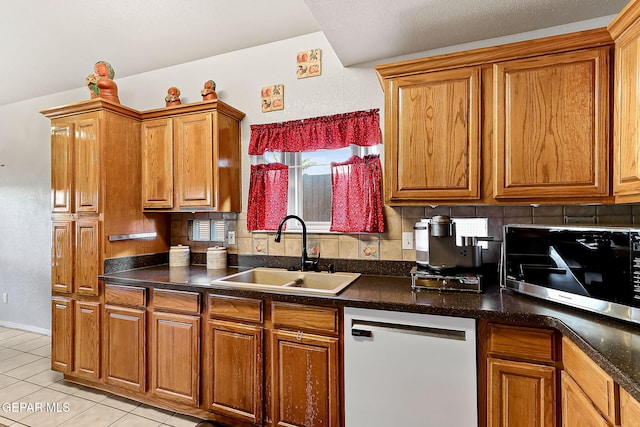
87 339
577 409
629 410
304 374
520 373
235 381
62 334
125 347
520 394
175 357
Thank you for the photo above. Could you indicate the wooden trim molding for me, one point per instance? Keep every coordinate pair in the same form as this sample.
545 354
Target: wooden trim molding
505 52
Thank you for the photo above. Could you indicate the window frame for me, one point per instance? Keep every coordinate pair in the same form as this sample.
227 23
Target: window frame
295 196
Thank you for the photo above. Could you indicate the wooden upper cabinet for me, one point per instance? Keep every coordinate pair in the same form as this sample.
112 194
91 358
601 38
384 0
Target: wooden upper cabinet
432 136
525 122
87 164
191 158
551 125
62 189
194 159
157 164
625 30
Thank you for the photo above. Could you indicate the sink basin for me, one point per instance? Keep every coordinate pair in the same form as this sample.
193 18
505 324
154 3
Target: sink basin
282 280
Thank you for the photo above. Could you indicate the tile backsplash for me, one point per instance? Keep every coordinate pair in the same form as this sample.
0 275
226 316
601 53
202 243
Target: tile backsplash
388 245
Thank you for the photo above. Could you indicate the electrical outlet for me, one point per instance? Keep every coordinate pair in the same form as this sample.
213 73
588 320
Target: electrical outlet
407 240
5 297
231 238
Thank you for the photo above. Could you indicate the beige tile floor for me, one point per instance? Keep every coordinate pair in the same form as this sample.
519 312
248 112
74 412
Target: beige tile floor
31 394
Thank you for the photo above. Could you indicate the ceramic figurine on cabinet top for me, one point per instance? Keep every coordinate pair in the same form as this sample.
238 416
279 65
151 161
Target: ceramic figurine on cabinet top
173 96
101 84
209 90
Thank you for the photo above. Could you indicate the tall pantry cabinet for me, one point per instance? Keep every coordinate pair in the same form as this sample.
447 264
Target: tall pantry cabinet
96 214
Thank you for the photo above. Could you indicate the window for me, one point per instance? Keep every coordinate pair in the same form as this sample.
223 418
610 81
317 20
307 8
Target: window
291 172
309 193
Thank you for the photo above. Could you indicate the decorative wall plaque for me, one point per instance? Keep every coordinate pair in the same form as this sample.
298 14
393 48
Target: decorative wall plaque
272 98
309 63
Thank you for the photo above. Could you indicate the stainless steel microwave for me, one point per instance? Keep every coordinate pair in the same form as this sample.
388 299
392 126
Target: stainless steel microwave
595 268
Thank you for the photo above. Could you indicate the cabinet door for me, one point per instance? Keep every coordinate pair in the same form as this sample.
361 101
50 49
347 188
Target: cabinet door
62 256
125 348
520 394
629 410
193 139
87 256
62 134
432 137
626 135
87 339
175 357
87 165
305 385
62 334
577 409
600 388
235 385
157 164
551 125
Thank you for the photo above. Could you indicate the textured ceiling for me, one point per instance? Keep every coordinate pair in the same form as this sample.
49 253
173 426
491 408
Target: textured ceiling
384 28
47 45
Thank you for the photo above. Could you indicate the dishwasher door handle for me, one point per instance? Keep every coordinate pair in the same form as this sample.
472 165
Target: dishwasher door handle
361 333
358 331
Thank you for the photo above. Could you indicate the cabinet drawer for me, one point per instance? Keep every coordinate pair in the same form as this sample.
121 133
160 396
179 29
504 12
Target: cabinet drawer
181 301
125 295
532 344
305 317
595 382
243 309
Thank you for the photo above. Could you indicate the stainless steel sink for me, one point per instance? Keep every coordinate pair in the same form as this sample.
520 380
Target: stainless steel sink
282 280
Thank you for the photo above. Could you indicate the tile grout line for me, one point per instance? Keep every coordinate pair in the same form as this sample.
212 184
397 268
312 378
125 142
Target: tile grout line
69 390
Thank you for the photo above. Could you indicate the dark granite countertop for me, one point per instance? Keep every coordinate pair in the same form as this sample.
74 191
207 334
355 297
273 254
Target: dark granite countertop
613 345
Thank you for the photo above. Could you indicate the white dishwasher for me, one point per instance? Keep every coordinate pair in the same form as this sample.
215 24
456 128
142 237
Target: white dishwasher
409 369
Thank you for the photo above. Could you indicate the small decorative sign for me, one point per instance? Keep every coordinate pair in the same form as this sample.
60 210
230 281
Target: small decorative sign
260 246
309 63
272 98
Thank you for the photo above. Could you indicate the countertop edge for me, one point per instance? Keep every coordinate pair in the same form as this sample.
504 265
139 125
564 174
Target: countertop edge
630 381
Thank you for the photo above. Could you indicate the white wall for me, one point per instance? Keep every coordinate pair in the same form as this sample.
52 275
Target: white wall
25 241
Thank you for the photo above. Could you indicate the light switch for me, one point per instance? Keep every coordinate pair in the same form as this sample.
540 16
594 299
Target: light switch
407 240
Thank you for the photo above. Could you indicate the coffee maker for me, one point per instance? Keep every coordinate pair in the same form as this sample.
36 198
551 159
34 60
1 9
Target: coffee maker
441 262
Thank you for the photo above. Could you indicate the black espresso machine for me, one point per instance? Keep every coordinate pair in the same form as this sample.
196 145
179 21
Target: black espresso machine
441 263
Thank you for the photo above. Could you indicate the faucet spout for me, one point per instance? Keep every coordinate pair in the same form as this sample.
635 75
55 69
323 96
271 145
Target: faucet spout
306 263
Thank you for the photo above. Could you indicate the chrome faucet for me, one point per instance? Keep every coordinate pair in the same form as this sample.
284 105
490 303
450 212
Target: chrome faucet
307 264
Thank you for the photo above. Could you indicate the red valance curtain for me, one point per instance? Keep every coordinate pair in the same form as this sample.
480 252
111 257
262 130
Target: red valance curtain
328 132
268 188
357 195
